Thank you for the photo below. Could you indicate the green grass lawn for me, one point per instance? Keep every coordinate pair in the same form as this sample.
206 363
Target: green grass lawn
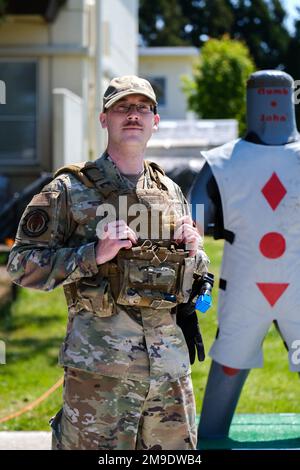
33 328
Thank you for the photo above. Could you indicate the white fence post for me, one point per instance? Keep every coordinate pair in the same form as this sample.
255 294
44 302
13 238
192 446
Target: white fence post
2 92
67 128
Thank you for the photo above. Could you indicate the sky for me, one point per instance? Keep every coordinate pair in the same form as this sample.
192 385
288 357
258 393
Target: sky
290 6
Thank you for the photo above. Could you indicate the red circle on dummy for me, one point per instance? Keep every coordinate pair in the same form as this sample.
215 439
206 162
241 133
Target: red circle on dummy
272 245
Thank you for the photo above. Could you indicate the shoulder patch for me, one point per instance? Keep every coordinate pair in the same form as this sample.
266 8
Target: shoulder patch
41 199
35 223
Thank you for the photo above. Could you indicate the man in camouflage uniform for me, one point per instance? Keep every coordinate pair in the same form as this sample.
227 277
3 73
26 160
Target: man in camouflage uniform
127 372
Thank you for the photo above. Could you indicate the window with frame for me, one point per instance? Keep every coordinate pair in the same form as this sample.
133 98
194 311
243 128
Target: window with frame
159 87
18 117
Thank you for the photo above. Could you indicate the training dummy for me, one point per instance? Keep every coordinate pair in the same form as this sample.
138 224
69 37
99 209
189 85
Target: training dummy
250 189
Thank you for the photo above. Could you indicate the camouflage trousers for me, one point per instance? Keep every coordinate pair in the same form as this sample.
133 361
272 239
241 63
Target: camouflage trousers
106 413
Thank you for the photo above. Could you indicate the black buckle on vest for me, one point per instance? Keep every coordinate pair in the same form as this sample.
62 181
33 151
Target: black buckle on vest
229 236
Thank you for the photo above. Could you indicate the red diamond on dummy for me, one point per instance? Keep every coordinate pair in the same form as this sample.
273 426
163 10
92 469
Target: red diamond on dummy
272 291
274 191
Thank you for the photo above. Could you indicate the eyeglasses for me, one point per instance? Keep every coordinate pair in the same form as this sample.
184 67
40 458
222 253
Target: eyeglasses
141 108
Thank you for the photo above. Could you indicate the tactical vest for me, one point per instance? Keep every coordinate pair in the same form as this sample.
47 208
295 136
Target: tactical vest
156 273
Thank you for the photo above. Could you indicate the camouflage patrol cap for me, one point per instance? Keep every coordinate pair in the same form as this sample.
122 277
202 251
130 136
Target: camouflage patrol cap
127 85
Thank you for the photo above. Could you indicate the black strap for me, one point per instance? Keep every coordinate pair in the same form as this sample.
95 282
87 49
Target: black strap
229 236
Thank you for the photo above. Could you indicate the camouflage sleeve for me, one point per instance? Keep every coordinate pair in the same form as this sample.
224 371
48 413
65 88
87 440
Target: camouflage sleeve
202 260
39 258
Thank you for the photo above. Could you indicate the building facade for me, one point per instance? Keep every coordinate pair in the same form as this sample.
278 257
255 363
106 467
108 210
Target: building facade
164 67
56 58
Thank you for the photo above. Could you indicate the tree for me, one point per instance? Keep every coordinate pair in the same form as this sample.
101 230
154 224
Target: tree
293 60
219 86
181 22
212 18
259 23
161 23
2 7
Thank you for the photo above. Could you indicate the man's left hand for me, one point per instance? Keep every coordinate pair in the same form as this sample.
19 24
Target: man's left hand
187 319
185 232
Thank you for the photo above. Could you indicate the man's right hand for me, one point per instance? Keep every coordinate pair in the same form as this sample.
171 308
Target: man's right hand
116 235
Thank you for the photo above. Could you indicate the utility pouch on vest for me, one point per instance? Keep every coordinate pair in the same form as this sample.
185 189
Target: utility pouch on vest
94 295
157 279
187 278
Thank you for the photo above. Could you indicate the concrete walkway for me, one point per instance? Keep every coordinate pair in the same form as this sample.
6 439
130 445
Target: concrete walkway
23 440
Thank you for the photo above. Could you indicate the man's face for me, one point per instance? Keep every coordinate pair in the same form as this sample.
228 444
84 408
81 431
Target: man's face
130 126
